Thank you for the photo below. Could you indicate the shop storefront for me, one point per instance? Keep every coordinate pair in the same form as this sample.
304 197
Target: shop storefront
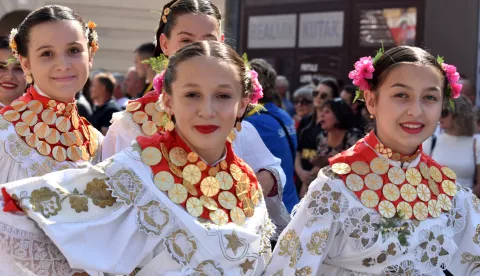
304 39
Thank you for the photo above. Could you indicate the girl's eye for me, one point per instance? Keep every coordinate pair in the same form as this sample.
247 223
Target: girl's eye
225 96
431 98
74 51
186 41
191 95
401 95
47 54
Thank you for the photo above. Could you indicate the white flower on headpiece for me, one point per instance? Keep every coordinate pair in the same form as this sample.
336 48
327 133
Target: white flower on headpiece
13 33
87 33
12 43
95 36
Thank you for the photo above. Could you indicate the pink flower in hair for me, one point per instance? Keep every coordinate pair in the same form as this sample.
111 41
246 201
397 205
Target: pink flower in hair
158 81
257 92
363 71
365 68
453 77
456 89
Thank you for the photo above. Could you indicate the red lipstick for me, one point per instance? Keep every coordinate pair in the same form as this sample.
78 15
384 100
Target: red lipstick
206 129
412 127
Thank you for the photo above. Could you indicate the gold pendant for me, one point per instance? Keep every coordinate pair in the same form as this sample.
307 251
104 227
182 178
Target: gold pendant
42 130
18 105
53 137
140 117
63 124
59 153
149 128
150 109
74 153
22 129
35 106
49 116
194 207
11 115
29 117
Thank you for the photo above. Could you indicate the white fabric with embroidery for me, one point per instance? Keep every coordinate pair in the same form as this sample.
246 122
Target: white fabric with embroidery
144 228
24 248
247 145
333 233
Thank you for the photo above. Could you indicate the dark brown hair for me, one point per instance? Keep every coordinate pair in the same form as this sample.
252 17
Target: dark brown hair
181 7
51 13
404 54
214 49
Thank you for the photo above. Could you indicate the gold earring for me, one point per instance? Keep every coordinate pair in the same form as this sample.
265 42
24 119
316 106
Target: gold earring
371 116
29 79
170 125
238 126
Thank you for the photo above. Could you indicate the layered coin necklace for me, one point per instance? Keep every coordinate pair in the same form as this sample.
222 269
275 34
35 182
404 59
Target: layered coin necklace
221 193
51 127
418 192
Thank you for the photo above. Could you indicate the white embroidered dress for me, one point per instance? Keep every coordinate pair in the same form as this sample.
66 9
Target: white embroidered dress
24 248
333 233
143 229
248 145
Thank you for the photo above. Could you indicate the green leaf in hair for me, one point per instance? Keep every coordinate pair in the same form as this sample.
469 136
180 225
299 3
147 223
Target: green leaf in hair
440 60
358 96
158 64
378 55
245 60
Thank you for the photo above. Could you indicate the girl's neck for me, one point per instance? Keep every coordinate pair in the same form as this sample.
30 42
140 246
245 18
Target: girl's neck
397 148
41 93
210 156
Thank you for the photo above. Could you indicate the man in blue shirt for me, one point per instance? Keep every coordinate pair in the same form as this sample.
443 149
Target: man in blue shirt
276 128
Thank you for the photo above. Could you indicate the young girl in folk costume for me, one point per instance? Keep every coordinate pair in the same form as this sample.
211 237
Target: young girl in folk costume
178 203
41 132
183 22
383 207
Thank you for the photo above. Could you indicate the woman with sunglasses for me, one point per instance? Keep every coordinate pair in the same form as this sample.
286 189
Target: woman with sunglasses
308 130
303 101
458 128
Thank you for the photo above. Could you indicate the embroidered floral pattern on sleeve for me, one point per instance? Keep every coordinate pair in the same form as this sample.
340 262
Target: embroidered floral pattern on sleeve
49 202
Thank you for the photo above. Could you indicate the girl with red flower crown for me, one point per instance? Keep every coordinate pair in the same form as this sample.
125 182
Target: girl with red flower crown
383 207
42 132
176 203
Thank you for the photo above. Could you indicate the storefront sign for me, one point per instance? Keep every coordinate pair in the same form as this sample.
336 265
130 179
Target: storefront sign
321 29
273 31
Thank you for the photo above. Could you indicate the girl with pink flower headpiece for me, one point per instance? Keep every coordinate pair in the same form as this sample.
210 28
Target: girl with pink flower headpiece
384 207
